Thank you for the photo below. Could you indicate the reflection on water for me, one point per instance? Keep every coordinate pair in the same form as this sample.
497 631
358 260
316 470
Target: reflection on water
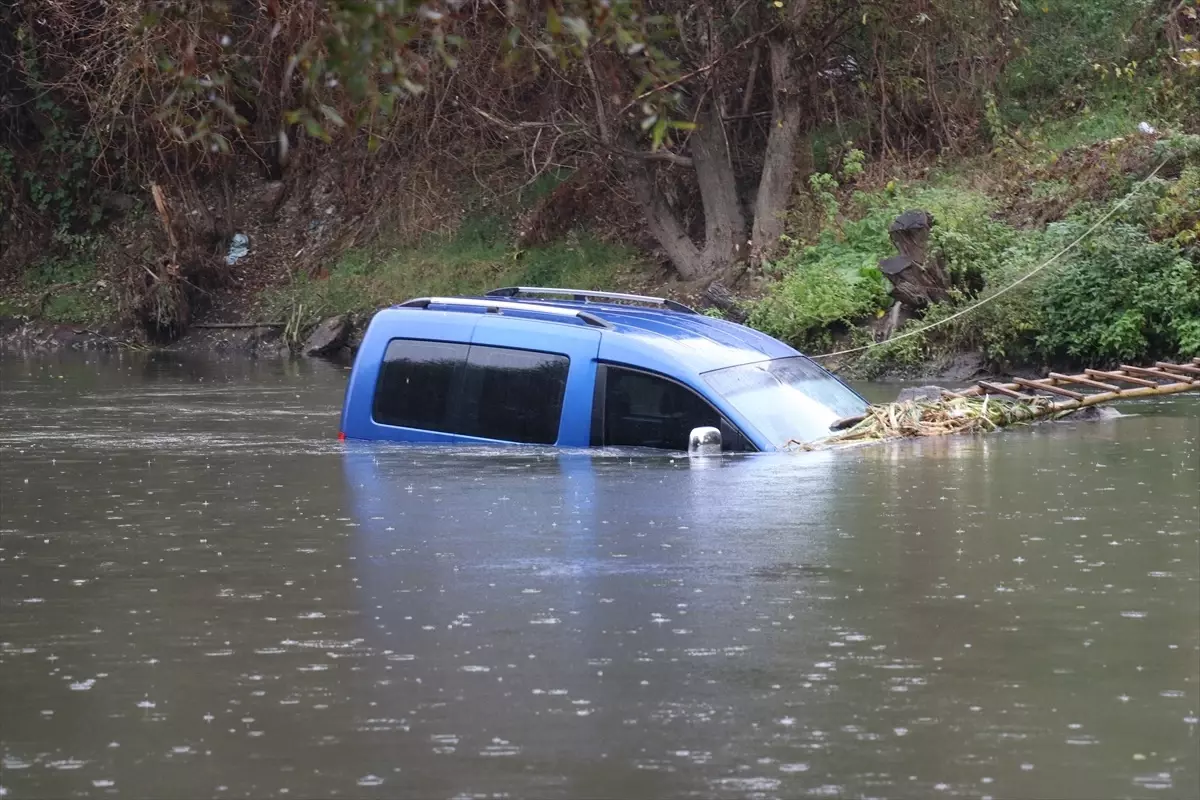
204 595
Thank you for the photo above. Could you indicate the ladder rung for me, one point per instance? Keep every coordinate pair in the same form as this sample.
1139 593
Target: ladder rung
993 388
1150 373
1084 381
1046 387
1184 368
1116 376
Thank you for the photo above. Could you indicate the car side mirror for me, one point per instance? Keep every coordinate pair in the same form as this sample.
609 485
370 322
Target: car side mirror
705 441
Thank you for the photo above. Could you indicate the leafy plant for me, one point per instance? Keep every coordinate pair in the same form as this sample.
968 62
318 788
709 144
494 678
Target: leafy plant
815 295
1123 297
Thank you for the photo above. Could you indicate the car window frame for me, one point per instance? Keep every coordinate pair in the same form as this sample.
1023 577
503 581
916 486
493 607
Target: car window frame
599 394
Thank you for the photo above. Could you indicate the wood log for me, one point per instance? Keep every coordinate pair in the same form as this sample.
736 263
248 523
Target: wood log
720 297
1150 373
237 325
995 388
1184 368
1082 381
917 276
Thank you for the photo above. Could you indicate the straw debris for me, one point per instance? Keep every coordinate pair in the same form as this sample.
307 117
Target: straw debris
944 417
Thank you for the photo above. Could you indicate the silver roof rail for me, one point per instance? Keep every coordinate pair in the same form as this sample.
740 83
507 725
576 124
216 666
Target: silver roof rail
584 295
499 306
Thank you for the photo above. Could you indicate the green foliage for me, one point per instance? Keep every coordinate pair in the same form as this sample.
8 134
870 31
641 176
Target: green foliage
360 61
851 163
1170 208
836 281
1177 212
82 306
65 289
823 186
1067 48
1123 297
821 287
59 184
75 268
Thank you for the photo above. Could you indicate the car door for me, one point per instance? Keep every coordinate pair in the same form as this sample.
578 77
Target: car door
636 408
528 381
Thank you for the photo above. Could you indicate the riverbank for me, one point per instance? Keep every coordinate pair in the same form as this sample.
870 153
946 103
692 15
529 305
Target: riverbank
1130 290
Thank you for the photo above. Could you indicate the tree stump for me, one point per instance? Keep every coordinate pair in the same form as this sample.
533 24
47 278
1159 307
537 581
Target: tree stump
917 277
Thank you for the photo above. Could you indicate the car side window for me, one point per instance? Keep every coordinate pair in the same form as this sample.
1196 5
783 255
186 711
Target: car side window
487 392
644 410
514 395
418 383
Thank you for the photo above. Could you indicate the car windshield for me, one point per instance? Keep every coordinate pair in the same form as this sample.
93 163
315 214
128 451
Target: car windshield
787 399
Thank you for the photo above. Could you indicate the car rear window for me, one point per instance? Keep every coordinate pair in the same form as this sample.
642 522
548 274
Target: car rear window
417 382
474 390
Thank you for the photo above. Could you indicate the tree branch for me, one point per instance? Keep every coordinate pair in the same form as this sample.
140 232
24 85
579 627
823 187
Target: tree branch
665 156
699 70
597 99
748 89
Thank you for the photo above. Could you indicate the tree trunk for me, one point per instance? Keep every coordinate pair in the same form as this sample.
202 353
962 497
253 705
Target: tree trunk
724 224
725 244
779 165
665 227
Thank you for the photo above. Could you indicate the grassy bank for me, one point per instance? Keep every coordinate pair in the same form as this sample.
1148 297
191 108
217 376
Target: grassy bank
1129 292
479 256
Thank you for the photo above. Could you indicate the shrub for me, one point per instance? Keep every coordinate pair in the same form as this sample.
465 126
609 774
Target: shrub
1122 297
1070 45
815 295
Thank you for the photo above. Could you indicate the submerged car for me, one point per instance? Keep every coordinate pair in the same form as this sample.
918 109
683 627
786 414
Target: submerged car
574 368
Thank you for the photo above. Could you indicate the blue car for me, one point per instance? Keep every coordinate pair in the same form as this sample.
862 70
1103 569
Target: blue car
576 368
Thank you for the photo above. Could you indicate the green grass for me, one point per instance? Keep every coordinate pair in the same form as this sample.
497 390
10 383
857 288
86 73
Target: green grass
63 290
1107 120
835 282
83 306
478 257
1131 291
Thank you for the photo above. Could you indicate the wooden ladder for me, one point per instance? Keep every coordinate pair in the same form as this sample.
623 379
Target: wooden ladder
1092 386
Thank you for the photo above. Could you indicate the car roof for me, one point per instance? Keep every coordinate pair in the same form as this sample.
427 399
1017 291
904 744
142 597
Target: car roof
695 342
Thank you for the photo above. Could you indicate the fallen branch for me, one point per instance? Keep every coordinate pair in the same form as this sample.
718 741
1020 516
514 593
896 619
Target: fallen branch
217 325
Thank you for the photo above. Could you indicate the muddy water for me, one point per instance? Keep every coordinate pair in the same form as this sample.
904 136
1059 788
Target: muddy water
205 595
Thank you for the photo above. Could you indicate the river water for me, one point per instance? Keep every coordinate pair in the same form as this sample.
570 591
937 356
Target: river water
204 594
